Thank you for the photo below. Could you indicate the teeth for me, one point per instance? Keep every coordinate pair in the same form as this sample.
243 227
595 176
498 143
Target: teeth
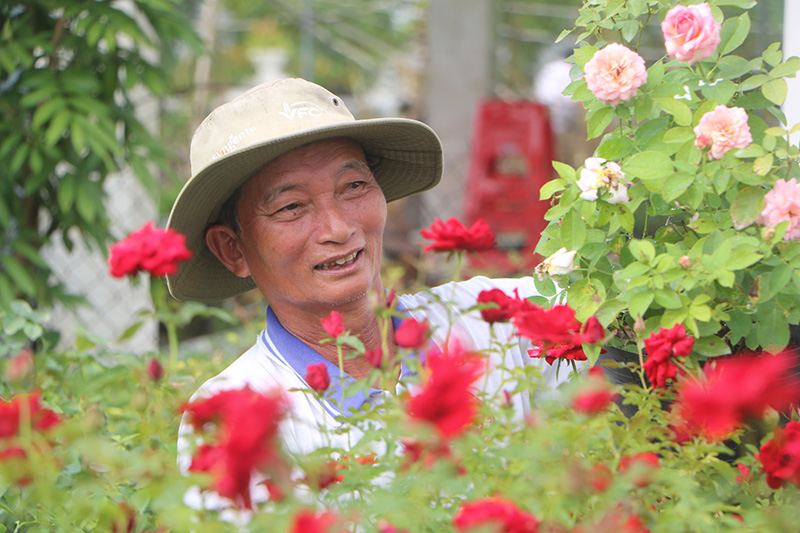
339 262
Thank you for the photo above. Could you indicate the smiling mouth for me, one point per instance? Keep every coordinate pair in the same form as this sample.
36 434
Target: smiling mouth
346 260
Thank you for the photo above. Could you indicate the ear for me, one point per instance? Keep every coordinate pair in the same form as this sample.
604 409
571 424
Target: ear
224 244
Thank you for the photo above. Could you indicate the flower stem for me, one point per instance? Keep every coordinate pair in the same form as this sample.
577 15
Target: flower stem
172 338
459 261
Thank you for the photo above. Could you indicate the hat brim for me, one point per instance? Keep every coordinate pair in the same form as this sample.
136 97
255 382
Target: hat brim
409 160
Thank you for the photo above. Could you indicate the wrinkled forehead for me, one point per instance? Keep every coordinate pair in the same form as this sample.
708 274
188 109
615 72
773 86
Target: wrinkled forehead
307 159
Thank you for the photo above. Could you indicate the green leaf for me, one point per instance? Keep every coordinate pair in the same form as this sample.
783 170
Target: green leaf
722 91
668 298
573 230
772 331
740 259
753 82
775 91
19 274
599 121
642 249
747 207
730 67
710 346
679 110
678 135
565 171
649 165
629 29
86 203
786 69
675 185
57 127
613 148
763 164
66 193
551 187
703 225
585 296
47 110
773 55
733 33
640 303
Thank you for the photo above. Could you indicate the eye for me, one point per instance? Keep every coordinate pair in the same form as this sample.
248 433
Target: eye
356 184
289 207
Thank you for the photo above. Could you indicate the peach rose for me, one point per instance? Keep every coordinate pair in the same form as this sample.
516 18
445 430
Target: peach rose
723 129
690 33
782 203
615 73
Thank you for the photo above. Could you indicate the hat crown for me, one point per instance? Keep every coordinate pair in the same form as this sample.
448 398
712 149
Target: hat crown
267 111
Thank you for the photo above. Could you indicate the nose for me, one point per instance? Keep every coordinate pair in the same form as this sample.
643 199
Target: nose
334 222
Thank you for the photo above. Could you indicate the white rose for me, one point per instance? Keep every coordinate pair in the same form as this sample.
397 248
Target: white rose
559 264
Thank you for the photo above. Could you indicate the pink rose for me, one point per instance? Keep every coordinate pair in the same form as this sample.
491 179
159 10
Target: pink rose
782 203
723 129
615 73
690 33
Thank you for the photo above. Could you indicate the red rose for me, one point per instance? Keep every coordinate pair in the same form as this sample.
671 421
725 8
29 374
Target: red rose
600 477
744 473
643 466
555 332
317 376
550 326
307 521
446 400
494 514
453 236
333 325
734 389
20 366
245 440
504 306
661 348
780 456
592 331
155 370
592 400
41 419
411 334
374 357
158 251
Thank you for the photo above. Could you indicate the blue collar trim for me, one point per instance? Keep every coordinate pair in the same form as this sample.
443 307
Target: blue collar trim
299 355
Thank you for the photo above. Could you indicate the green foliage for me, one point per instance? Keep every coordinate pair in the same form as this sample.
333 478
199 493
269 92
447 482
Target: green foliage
341 44
111 462
686 247
72 76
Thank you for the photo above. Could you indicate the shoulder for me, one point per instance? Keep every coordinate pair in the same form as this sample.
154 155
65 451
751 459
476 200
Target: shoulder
252 369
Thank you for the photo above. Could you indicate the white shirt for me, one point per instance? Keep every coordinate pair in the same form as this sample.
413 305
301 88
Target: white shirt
278 360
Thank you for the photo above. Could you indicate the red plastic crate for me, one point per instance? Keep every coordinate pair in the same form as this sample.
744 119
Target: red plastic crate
510 160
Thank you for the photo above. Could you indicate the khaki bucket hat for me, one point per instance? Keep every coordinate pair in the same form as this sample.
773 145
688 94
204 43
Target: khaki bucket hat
240 137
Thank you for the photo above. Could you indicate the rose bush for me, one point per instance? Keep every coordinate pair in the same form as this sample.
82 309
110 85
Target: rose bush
687 212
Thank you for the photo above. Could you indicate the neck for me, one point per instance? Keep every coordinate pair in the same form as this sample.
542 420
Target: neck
359 320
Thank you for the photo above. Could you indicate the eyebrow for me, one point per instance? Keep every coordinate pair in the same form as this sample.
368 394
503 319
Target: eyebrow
350 165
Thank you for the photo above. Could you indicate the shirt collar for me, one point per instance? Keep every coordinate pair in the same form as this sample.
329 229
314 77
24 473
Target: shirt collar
299 355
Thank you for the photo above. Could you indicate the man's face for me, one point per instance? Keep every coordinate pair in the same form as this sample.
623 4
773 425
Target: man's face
312 227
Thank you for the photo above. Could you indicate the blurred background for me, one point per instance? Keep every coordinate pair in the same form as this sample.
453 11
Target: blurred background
487 75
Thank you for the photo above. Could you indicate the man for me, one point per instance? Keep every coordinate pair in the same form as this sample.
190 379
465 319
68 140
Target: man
288 194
